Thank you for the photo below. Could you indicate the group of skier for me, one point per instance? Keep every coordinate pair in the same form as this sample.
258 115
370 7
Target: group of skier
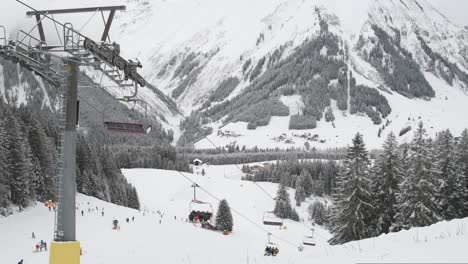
42 245
197 216
271 251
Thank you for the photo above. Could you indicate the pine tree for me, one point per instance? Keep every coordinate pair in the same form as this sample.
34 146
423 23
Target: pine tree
415 201
224 219
317 212
3 166
283 207
18 164
353 199
307 182
43 160
449 174
317 186
300 192
462 163
387 175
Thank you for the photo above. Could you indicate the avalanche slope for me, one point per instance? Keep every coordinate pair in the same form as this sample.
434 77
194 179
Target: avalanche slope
146 240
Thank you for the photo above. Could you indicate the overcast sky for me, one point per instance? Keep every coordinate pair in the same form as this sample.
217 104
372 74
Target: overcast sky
12 13
455 10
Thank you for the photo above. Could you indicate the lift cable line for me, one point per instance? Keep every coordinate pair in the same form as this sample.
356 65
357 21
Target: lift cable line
237 211
237 166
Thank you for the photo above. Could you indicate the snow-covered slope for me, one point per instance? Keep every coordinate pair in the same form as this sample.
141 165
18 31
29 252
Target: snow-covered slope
175 241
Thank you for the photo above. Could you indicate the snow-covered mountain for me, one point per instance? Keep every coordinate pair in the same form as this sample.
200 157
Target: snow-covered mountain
210 55
255 72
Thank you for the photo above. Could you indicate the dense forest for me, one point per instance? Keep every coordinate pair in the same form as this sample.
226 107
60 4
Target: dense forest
408 185
28 159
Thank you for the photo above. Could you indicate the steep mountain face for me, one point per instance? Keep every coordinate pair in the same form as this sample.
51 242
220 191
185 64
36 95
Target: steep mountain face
19 86
267 69
403 39
283 73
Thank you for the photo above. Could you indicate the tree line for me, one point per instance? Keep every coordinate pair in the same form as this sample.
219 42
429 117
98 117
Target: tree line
28 163
258 155
308 177
409 185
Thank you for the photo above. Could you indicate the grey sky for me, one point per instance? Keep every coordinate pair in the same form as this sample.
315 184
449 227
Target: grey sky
455 10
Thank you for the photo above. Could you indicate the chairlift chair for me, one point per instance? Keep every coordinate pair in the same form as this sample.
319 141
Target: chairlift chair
271 244
123 127
309 240
197 205
269 218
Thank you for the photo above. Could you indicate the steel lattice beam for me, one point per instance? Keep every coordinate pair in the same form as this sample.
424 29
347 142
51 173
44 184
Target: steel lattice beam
76 10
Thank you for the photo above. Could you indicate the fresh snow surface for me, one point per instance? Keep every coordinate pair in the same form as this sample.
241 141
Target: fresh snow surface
175 241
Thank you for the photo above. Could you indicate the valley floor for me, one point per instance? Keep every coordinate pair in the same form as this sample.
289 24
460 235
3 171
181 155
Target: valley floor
170 239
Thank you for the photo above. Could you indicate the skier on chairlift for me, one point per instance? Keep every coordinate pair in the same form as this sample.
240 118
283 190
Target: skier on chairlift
115 224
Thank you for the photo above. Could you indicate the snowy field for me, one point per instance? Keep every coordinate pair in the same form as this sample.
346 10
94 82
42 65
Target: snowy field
146 240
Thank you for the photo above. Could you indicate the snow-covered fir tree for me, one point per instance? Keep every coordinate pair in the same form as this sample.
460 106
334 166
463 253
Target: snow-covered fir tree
449 175
224 221
43 159
307 182
283 207
416 204
3 166
18 164
300 191
352 196
318 185
385 180
461 157
318 213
